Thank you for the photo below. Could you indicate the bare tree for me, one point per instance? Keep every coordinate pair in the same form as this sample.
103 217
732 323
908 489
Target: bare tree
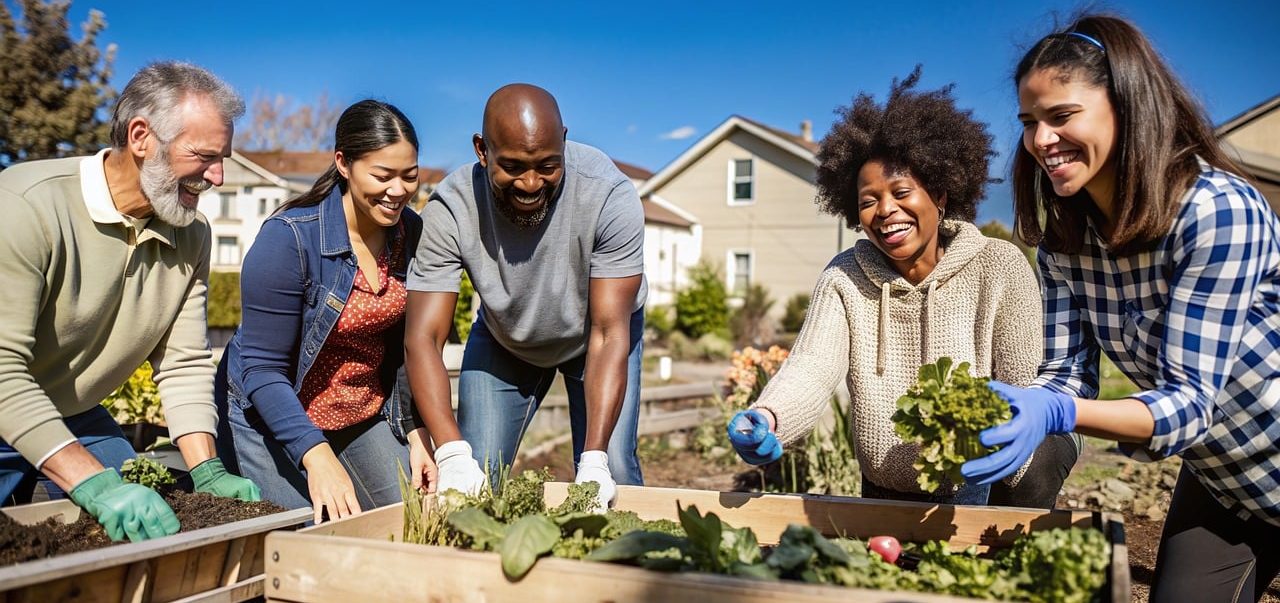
279 123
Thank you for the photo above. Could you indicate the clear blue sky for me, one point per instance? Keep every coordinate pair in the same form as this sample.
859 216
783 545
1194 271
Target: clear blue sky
628 73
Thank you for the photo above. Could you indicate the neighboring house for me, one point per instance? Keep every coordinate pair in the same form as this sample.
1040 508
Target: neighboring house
1253 139
236 210
672 241
302 168
749 190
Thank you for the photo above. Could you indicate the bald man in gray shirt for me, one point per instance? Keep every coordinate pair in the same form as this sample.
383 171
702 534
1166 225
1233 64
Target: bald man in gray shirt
552 236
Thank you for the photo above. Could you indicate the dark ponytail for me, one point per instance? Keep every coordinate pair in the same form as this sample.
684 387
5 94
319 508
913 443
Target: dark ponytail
363 128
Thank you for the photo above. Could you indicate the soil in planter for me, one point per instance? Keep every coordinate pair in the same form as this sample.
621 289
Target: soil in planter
50 538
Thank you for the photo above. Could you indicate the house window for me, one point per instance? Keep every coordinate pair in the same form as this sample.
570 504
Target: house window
228 206
263 206
741 181
228 251
740 277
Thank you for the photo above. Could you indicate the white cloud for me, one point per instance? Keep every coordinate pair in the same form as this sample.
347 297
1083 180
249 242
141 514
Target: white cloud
631 129
680 133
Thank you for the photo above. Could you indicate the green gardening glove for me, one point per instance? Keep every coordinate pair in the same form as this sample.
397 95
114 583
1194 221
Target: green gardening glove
212 477
125 509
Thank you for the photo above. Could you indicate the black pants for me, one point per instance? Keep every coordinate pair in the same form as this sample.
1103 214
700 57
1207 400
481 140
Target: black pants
1039 486
1209 554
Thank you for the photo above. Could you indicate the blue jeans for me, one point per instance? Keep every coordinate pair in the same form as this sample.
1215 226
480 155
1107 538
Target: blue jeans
97 432
367 450
966 494
498 394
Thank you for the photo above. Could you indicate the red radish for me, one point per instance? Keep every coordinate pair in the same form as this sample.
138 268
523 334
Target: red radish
887 547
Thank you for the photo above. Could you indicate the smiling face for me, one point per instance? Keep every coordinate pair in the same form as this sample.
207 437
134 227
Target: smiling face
900 217
380 184
1069 127
174 174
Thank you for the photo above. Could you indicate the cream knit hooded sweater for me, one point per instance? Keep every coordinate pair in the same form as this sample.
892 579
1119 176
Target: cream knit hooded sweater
981 305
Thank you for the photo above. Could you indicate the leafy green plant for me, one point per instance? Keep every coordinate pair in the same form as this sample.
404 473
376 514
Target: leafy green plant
224 299
750 322
794 312
137 400
660 320
146 472
703 306
462 310
944 413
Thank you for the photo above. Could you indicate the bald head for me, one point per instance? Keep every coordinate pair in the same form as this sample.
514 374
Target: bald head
522 149
523 115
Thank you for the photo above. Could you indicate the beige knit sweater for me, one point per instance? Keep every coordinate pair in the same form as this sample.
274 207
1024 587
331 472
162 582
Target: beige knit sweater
981 305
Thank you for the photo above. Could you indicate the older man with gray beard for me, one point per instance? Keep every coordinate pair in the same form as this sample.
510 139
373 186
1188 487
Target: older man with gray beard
105 263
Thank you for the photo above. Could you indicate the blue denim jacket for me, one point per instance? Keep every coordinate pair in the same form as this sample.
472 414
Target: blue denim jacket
294 283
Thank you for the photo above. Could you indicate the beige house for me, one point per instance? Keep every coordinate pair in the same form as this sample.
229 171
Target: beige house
1253 139
237 209
750 188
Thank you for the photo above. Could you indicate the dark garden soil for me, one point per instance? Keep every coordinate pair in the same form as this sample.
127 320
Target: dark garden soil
50 538
680 468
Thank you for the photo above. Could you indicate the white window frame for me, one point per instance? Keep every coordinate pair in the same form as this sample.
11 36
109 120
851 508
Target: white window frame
237 254
732 179
227 206
731 271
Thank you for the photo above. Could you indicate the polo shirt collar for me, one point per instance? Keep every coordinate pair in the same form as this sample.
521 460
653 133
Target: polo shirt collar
97 199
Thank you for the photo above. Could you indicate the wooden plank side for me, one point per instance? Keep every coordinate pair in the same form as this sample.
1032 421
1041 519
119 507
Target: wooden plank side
769 515
370 571
65 510
233 593
44 570
384 523
191 571
102 586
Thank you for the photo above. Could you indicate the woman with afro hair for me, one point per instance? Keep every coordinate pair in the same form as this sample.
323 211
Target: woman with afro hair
924 283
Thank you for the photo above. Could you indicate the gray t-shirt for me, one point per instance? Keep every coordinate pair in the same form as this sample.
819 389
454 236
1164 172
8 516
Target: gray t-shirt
533 283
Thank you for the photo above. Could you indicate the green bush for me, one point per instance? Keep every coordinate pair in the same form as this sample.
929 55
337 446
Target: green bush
702 307
751 323
714 347
224 299
137 400
793 315
462 311
659 320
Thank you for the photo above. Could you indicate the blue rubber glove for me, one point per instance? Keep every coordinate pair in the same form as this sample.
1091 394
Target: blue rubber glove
752 439
1036 413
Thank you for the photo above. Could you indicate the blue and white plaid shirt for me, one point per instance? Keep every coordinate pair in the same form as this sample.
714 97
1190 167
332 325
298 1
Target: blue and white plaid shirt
1196 323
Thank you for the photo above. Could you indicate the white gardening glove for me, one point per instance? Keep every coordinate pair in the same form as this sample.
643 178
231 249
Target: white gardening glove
457 469
593 466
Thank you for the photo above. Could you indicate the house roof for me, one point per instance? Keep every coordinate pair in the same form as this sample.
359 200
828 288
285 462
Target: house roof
1244 119
1259 165
633 171
660 211
306 166
791 143
267 177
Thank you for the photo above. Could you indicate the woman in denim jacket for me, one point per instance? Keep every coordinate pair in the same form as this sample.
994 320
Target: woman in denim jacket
315 404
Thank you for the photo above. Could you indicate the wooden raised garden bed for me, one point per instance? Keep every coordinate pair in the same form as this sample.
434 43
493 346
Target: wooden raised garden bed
359 558
222 563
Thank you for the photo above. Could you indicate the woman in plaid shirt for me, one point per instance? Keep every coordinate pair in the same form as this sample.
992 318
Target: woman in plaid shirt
1153 251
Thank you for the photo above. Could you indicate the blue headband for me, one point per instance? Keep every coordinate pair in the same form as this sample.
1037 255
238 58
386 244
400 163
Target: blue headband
1087 38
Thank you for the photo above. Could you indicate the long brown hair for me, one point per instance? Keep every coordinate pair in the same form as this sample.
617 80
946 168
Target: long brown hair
1160 130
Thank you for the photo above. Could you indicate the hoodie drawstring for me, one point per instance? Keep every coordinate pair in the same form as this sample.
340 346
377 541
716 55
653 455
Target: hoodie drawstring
925 321
884 326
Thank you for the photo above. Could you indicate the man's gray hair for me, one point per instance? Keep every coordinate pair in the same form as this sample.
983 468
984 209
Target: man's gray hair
155 92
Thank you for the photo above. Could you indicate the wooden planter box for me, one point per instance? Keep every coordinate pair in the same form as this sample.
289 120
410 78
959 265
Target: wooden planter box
359 558
222 564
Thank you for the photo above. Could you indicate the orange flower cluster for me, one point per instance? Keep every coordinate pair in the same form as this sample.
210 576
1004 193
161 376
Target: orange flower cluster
741 379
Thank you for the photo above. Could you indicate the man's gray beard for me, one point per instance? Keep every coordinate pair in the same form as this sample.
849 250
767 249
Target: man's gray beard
160 186
524 220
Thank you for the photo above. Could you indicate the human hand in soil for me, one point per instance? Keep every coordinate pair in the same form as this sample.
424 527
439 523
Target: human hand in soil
423 469
1037 412
593 466
458 469
329 485
211 476
752 436
125 509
